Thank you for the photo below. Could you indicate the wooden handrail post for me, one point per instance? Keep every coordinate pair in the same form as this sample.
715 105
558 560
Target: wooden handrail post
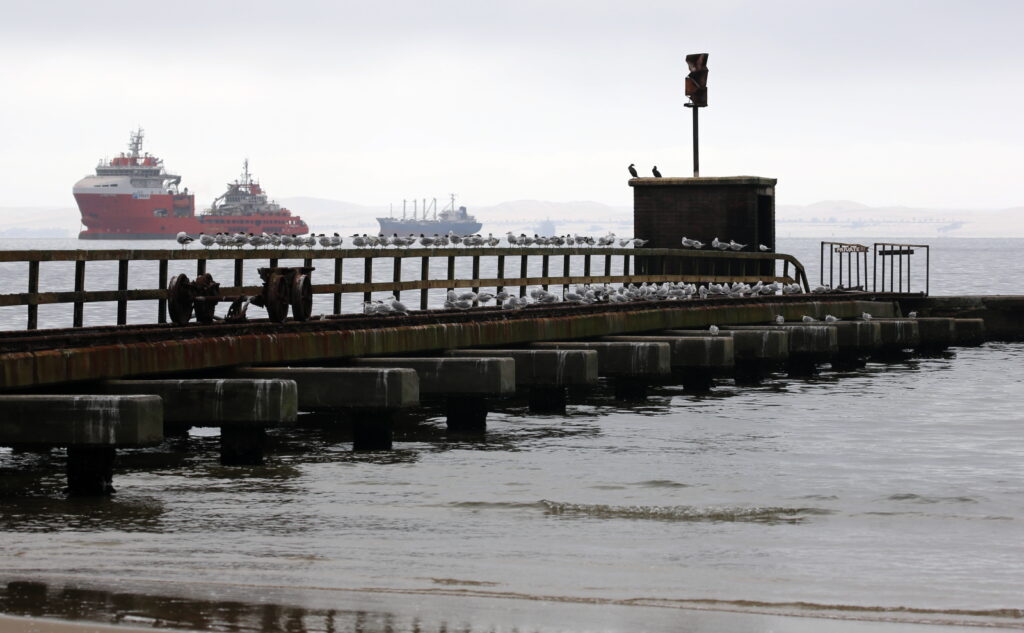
200 267
161 282
476 272
33 288
122 286
501 271
544 269
338 268
78 315
451 272
239 273
397 276
523 273
367 278
424 276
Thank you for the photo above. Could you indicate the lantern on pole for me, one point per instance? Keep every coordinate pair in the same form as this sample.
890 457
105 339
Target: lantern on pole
697 91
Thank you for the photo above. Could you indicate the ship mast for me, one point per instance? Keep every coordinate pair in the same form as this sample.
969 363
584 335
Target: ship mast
245 172
135 146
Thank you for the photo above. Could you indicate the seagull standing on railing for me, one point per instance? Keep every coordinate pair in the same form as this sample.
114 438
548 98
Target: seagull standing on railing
184 239
763 248
207 240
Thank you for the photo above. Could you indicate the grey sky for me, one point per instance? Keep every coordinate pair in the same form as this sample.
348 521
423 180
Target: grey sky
913 103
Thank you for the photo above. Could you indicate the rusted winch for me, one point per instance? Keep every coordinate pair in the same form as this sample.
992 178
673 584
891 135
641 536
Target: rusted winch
282 287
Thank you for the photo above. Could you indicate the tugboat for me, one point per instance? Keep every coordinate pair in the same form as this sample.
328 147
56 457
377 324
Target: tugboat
450 219
132 196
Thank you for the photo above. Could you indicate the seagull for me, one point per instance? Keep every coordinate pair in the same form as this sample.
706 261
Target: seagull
763 248
830 319
207 240
808 319
687 242
184 239
714 330
657 174
697 244
912 315
632 171
779 319
736 247
397 306
722 246
866 316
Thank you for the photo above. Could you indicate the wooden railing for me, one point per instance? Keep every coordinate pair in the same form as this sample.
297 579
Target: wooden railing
654 265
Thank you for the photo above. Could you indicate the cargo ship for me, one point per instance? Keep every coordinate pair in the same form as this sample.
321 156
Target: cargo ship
450 219
132 196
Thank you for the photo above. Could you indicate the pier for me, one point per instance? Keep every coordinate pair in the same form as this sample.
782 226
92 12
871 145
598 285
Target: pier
120 386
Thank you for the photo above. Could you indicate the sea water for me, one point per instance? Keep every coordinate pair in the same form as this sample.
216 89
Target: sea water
888 493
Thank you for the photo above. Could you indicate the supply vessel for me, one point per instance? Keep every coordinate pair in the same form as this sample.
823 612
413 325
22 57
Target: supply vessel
133 196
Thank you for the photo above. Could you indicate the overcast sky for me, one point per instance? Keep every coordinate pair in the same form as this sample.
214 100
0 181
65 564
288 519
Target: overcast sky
916 103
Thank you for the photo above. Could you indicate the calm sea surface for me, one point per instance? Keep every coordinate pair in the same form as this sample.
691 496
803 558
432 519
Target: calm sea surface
893 492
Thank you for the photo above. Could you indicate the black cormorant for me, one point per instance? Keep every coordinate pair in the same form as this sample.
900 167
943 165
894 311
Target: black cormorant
632 171
657 174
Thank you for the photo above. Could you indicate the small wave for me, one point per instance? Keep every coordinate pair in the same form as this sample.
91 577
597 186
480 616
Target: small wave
662 483
489 505
755 514
909 496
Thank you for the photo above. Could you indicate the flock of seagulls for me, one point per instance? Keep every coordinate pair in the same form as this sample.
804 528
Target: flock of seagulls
276 240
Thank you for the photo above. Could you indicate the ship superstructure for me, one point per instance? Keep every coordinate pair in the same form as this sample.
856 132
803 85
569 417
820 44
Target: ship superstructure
132 196
427 220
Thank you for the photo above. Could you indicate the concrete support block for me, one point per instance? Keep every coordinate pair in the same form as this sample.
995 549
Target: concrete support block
455 376
809 345
695 360
345 388
242 408
91 427
898 335
937 333
465 383
755 352
969 331
546 374
632 366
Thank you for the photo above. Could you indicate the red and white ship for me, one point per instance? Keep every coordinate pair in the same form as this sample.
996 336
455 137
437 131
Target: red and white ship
133 197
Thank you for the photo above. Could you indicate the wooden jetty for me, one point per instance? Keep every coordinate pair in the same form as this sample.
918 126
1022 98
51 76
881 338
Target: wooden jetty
97 389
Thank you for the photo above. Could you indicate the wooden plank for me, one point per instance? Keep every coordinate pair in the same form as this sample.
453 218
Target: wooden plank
78 317
352 253
33 288
122 287
161 282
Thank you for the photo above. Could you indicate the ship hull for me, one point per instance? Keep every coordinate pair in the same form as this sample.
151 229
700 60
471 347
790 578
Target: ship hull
107 216
389 226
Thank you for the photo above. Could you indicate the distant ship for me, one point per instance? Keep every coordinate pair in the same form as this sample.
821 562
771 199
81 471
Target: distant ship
132 196
450 219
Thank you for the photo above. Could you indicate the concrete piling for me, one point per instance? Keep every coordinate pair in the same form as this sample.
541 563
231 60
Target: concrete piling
937 333
371 397
755 352
545 374
91 427
695 360
632 366
969 332
809 344
464 383
242 408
